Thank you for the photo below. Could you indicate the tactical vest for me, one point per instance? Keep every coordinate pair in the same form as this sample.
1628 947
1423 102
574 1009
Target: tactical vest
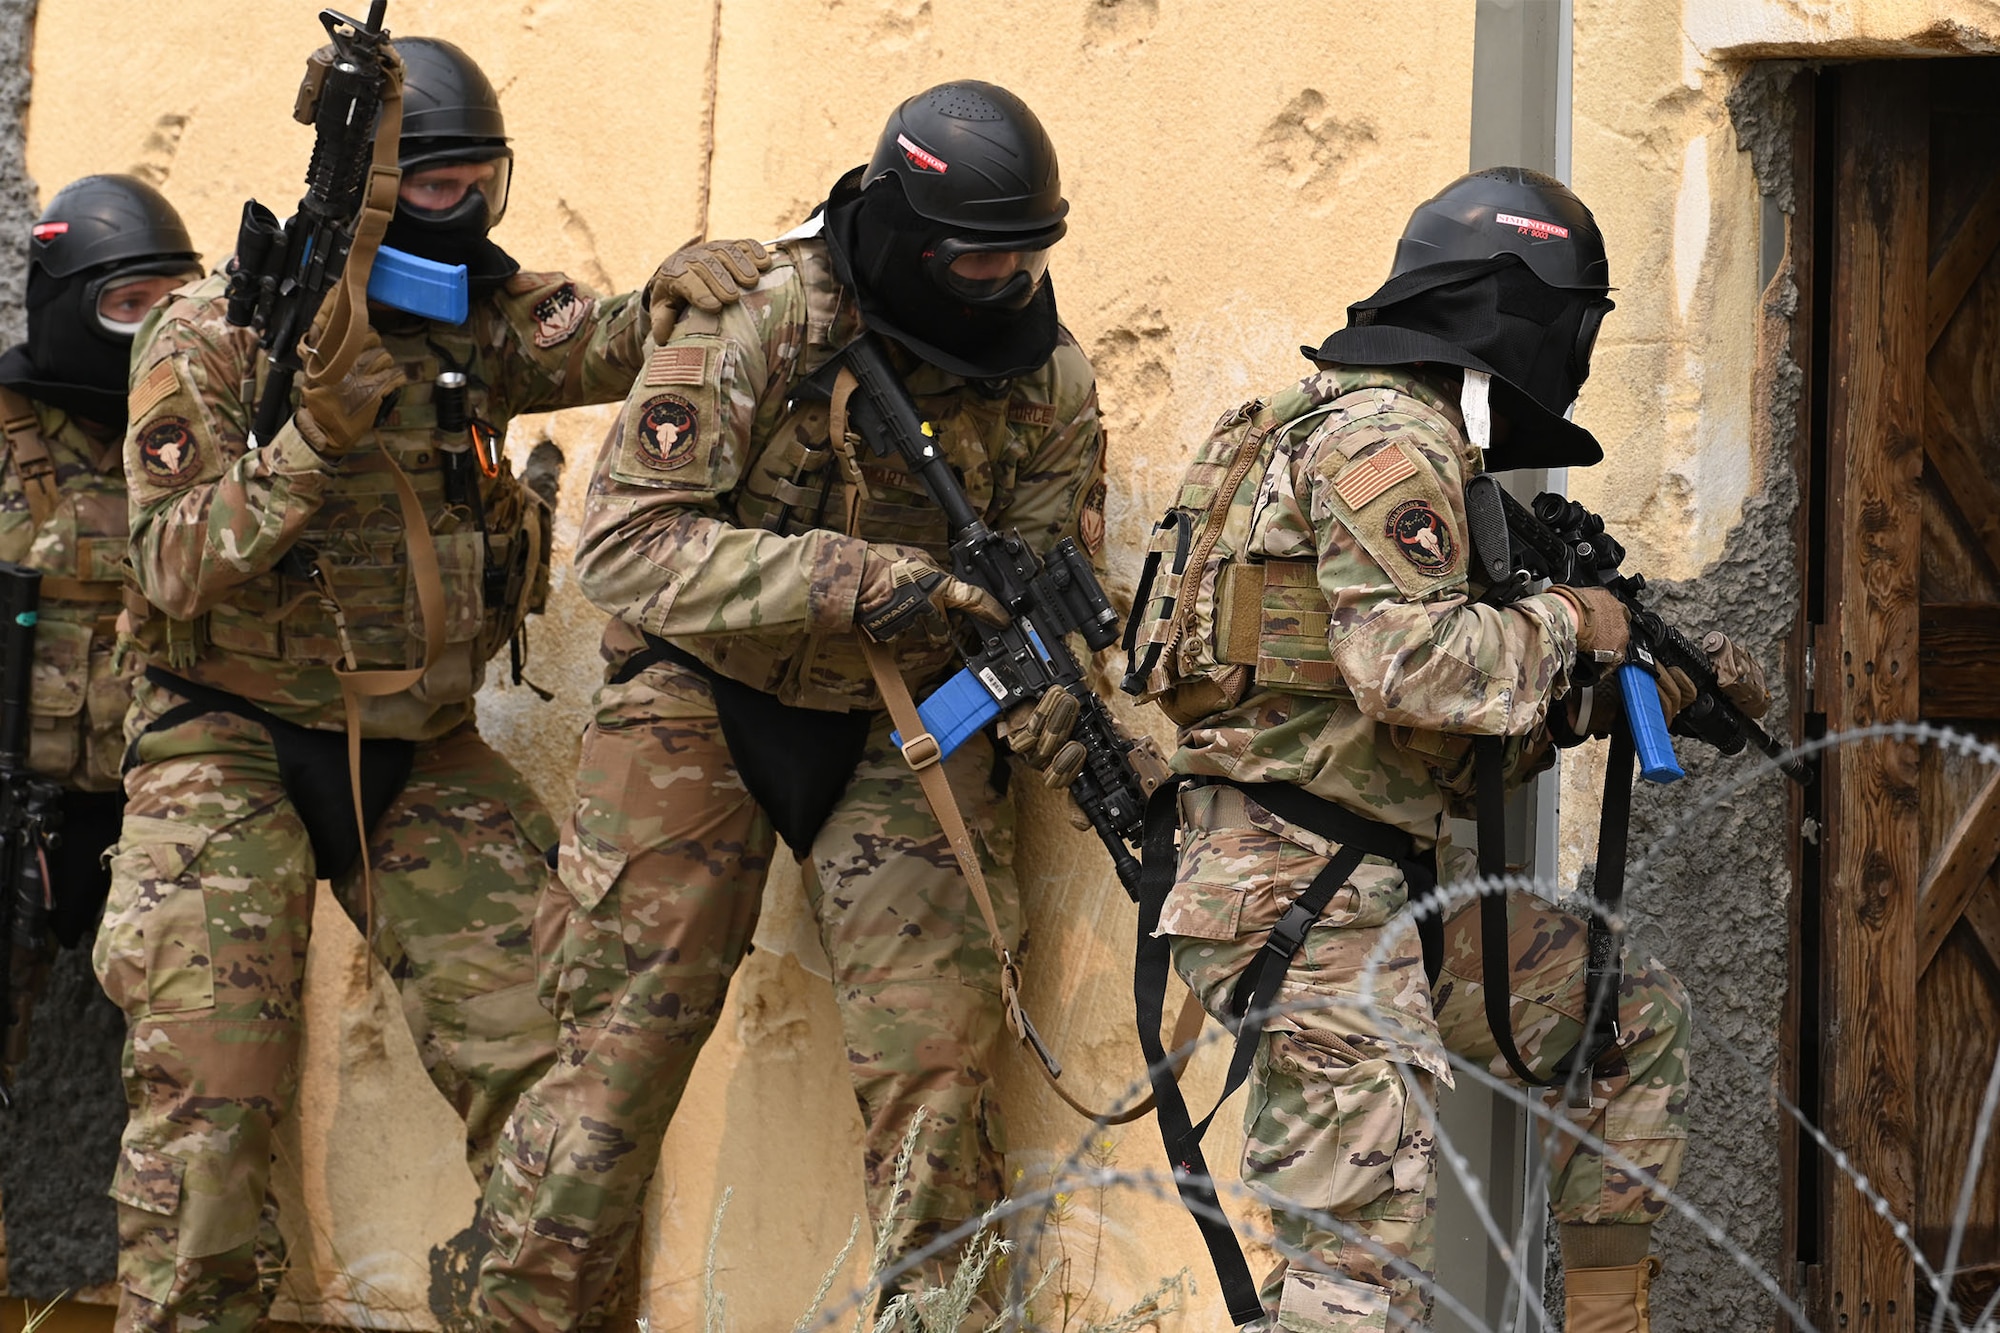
74 492
1211 616
794 483
493 557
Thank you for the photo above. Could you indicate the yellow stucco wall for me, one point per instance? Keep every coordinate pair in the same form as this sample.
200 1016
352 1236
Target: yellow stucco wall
1235 183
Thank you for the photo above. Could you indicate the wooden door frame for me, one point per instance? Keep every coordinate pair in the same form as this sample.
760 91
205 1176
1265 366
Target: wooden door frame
1855 953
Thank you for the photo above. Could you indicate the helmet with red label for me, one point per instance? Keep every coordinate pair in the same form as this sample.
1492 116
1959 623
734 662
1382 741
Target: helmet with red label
1508 210
974 160
103 252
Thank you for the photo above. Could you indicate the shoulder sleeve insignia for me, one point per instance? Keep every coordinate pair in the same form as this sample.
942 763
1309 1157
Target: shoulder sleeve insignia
167 451
559 315
1358 483
668 427
1422 536
676 365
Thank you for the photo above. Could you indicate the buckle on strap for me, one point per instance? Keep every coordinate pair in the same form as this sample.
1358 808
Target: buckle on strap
1289 935
921 751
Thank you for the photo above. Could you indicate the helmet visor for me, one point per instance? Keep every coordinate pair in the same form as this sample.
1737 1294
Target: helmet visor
993 271
449 188
121 299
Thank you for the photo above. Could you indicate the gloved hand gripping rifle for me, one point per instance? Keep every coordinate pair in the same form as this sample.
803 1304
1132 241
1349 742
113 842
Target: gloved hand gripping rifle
30 813
285 270
1047 598
1559 540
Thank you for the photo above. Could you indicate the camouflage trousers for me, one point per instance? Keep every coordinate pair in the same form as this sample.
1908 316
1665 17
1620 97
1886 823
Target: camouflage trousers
203 945
1338 1130
657 896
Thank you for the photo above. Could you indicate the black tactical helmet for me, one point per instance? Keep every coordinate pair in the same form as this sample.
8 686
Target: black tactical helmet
1508 210
101 220
91 255
973 155
451 114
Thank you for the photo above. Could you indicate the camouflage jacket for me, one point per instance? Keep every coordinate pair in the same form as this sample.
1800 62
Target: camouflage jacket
717 509
1404 665
212 518
79 697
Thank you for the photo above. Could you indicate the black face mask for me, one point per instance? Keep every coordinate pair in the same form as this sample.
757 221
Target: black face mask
1536 337
1492 315
457 236
70 359
879 242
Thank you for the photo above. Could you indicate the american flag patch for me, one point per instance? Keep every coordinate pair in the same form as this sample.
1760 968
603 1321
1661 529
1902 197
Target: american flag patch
159 382
1361 482
676 365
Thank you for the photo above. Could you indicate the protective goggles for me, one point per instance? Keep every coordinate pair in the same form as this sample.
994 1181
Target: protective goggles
121 298
1586 338
998 271
450 187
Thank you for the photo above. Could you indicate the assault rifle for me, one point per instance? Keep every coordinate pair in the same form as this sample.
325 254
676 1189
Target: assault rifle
1046 599
29 816
285 270
1560 541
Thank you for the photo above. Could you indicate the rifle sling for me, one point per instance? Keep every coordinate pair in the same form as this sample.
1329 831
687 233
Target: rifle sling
921 750
1603 975
37 470
1250 1002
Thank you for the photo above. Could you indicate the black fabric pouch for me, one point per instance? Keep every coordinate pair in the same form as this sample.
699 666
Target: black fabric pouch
312 765
796 762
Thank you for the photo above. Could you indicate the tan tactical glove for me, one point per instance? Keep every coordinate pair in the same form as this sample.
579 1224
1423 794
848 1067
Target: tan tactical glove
902 587
707 275
335 413
1737 674
1040 733
1603 629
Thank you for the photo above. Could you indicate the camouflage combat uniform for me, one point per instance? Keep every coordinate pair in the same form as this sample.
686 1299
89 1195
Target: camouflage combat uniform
657 889
1359 673
205 937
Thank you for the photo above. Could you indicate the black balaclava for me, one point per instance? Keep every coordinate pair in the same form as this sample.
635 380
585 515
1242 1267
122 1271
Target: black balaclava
878 243
456 236
1492 315
70 359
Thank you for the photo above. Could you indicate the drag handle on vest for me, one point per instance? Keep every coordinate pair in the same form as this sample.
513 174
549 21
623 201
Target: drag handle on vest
29 816
283 271
1559 541
1046 600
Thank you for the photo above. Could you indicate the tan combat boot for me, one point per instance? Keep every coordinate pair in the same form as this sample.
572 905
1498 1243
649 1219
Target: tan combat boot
1609 1300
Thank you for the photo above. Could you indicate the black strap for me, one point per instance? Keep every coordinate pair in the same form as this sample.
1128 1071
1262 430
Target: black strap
1602 975
1250 1001
1149 995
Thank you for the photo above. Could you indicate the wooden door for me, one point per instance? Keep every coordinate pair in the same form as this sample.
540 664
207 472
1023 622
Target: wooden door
1898 1015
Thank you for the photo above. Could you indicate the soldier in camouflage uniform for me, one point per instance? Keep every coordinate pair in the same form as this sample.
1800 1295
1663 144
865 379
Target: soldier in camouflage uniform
1324 635
278 573
104 251
739 544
